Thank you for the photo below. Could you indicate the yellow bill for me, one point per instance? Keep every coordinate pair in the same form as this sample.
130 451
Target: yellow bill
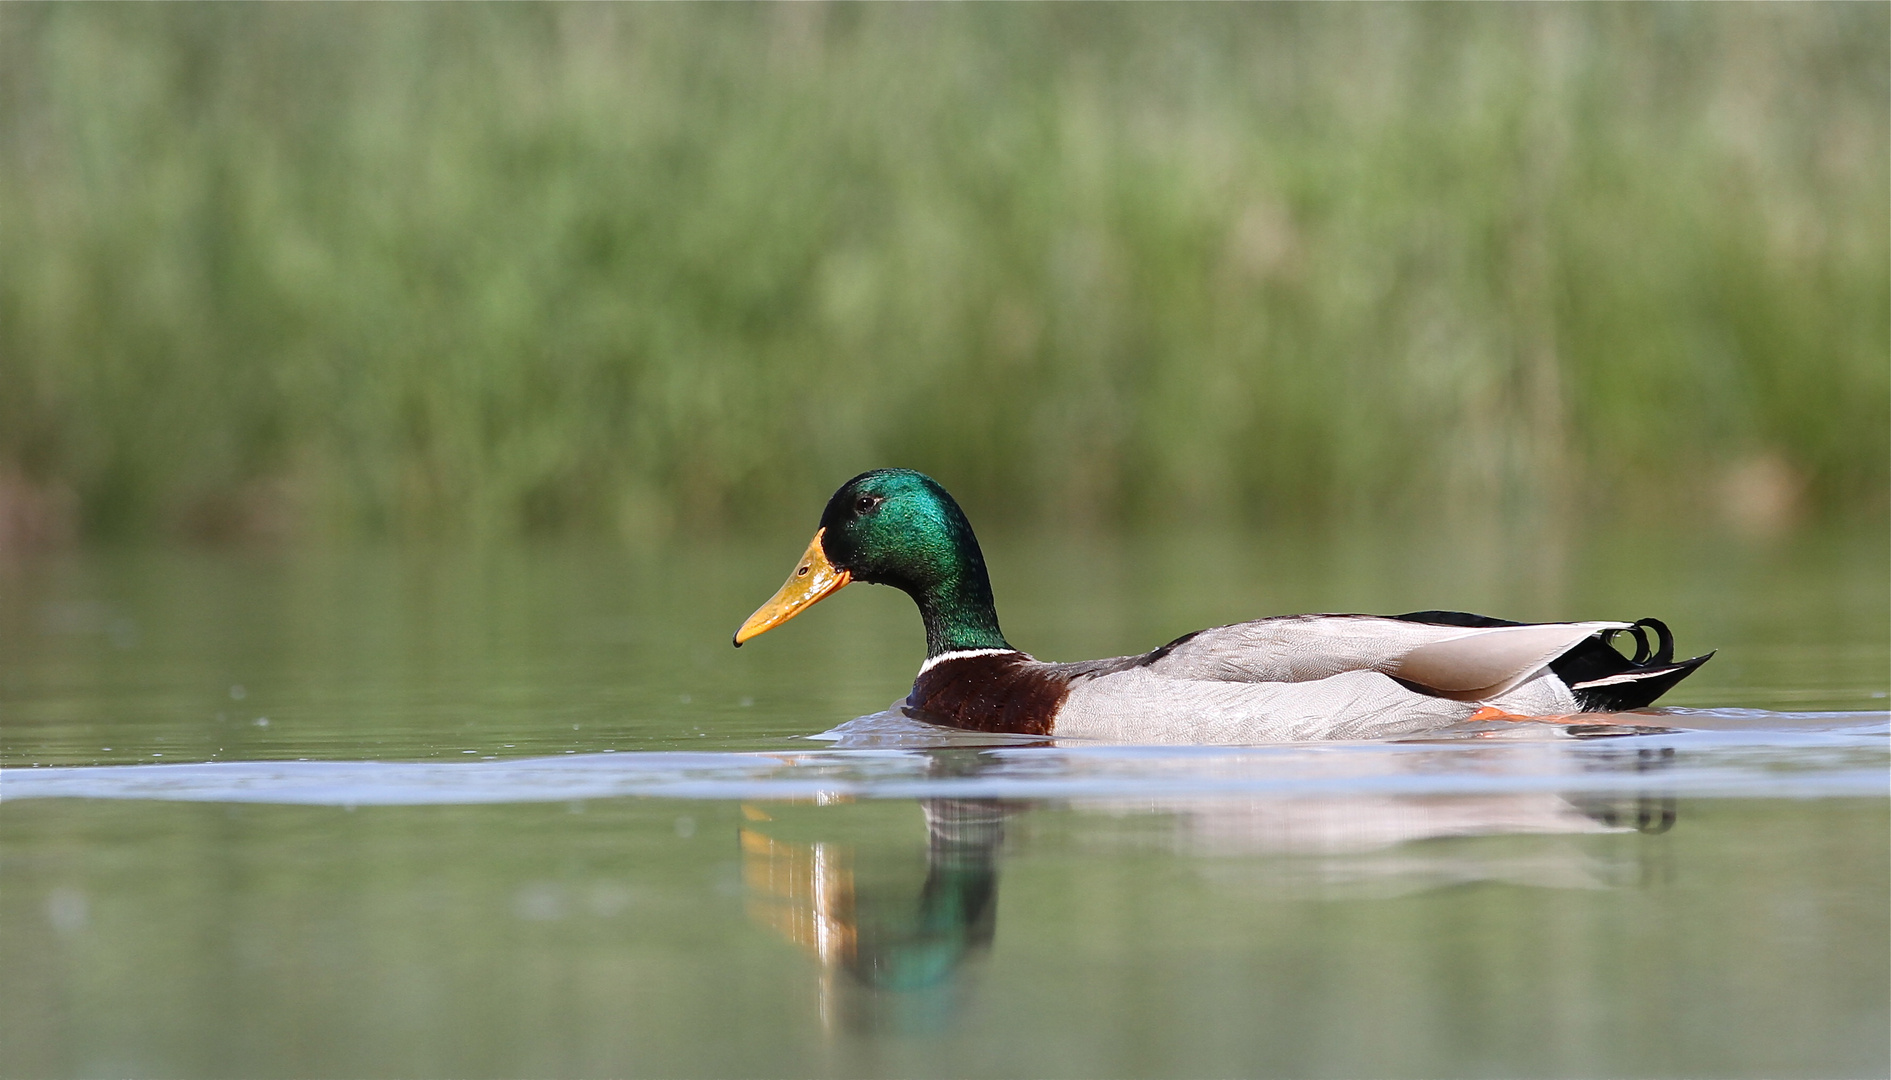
813 578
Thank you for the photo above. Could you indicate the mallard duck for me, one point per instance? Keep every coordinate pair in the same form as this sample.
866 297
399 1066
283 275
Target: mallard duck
1289 677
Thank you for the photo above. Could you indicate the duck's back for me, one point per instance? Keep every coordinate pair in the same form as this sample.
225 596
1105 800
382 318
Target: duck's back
1474 663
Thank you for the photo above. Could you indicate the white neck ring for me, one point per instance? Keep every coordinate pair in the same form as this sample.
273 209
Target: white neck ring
961 654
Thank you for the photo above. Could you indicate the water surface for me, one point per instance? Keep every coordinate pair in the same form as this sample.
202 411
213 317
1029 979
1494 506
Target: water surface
524 812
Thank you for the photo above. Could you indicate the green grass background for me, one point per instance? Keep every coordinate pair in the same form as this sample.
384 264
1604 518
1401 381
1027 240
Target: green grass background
497 270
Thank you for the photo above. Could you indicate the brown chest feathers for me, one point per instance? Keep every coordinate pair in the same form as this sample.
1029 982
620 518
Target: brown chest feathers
1007 692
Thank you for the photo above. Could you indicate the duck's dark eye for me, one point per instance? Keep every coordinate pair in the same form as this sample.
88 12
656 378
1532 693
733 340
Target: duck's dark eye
865 503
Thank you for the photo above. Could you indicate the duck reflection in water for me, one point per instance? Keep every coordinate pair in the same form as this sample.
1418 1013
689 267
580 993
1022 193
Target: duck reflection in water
901 956
897 958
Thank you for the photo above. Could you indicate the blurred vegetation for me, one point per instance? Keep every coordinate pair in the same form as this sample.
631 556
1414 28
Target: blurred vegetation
500 269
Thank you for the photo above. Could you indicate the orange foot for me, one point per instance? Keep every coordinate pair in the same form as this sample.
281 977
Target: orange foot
1491 712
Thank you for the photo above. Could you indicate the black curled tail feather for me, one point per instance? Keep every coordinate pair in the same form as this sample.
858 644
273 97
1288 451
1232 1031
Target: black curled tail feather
1661 654
1603 680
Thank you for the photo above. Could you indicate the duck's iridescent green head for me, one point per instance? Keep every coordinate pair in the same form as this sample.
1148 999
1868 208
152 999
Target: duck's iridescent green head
897 527
900 528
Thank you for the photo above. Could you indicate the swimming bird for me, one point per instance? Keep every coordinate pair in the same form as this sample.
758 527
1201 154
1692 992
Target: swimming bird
1289 677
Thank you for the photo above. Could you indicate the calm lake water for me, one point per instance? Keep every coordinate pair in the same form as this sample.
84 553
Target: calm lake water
524 812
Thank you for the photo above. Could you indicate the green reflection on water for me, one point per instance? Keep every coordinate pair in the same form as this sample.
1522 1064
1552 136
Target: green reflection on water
166 655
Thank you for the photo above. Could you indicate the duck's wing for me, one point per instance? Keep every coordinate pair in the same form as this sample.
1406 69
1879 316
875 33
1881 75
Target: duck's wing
1466 663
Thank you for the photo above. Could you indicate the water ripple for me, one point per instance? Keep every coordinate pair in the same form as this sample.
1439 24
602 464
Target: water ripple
1794 755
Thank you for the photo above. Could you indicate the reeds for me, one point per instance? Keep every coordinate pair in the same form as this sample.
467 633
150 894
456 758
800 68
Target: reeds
639 268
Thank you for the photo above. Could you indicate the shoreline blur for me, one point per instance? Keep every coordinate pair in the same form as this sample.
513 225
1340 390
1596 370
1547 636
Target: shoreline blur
646 271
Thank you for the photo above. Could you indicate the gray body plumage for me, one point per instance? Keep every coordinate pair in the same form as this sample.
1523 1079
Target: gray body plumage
1320 677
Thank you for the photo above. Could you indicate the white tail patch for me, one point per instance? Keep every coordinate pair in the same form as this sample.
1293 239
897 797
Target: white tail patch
1626 676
